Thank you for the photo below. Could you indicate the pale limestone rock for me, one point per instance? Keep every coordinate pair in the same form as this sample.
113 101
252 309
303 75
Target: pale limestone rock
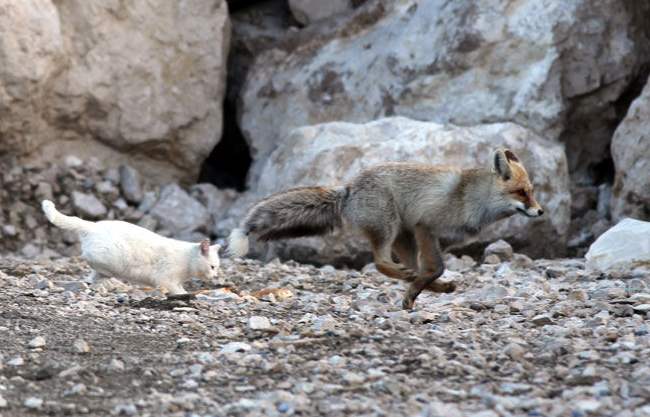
631 153
309 11
135 82
556 68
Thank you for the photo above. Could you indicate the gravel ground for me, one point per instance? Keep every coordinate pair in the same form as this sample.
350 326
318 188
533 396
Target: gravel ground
518 338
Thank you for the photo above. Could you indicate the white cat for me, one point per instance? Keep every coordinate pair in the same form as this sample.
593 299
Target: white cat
135 254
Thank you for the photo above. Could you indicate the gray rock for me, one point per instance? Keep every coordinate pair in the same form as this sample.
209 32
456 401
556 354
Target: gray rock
43 284
88 206
309 11
149 199
30 251
106 187
541 320
178 212
3 402
324 323
73 286
148 222
215 200
492 259
44 191
131 184
500 248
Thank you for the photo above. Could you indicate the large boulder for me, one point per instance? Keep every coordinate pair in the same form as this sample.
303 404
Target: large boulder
556 68
136 82
631 153
333 153
31 52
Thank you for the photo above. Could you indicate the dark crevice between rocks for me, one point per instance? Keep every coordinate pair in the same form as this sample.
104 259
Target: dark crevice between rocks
228 163
591 189
604 171
237 5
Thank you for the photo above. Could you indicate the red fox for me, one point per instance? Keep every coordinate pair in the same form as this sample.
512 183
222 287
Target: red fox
403 209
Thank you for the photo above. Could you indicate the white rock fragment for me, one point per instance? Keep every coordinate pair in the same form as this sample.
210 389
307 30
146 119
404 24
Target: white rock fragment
33 402
81 346
37 342
233 347
259 323
623 247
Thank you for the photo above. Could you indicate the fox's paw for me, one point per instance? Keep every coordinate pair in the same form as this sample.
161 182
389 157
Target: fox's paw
408 303
444 287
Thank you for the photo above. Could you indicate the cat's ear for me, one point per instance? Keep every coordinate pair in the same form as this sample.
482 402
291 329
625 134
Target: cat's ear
205 247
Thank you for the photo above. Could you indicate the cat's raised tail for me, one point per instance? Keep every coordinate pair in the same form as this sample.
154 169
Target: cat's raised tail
64 222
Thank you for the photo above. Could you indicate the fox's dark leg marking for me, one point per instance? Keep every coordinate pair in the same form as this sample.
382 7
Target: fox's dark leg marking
406 249
432 266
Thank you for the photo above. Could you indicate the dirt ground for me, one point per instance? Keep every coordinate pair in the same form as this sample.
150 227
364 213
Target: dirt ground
518 338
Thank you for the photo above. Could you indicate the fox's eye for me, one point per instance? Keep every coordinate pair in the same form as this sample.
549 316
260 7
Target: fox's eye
212 267
521 193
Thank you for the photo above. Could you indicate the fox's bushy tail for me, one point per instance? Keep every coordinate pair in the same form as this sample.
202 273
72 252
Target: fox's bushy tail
304 211
64 222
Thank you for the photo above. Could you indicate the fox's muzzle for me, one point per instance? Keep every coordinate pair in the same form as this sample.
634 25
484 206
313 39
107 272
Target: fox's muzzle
531 211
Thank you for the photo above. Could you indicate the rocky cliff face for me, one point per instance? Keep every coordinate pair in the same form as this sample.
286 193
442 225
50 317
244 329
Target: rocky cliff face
124 81
545 66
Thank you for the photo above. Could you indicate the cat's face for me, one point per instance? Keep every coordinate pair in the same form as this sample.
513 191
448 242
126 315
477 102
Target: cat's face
208 262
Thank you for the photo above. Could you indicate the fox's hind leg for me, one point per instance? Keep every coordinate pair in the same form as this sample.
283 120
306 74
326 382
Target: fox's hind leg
406 249
431 267
382 243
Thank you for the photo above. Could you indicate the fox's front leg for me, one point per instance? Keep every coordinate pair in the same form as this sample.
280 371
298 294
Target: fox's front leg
431 267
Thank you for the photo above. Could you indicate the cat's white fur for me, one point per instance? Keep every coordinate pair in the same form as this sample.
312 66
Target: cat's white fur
135 254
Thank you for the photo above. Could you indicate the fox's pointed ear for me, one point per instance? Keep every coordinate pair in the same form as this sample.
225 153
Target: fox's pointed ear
205 247
510 156
501 166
